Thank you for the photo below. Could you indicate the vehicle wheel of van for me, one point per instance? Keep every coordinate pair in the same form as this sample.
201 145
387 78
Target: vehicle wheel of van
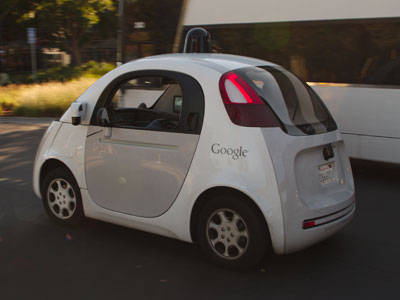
232 233
62 198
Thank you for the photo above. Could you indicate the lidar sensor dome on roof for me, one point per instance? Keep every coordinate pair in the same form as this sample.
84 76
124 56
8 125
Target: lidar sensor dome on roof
198 40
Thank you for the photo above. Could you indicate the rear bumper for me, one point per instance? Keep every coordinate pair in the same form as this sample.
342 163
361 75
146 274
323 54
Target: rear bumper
323 207
298 237
324 220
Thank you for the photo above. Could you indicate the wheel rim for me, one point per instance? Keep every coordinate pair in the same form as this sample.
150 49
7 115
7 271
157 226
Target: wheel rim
61 198
227 234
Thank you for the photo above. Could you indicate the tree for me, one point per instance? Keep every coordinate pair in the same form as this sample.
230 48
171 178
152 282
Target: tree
69 22
10 12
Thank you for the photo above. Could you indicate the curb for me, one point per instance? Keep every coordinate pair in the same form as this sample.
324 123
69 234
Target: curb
27 120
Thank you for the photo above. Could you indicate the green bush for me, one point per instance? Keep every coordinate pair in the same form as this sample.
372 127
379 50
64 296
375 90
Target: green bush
60 73
95 69
91 69
6 103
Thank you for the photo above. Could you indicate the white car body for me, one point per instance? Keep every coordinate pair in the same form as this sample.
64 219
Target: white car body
277 171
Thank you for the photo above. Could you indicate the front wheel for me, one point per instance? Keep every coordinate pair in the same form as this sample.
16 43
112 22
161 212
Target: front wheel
232 233
61 197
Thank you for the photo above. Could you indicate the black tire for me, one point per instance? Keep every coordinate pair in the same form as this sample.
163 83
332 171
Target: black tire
244 229
62 198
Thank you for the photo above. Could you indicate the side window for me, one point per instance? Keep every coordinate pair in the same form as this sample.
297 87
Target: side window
151 102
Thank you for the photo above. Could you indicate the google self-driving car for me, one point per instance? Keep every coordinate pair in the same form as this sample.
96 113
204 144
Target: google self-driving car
234 153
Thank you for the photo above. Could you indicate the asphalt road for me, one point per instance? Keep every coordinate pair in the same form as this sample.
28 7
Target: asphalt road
40 260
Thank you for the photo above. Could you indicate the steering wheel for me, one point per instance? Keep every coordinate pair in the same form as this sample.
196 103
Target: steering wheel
162 124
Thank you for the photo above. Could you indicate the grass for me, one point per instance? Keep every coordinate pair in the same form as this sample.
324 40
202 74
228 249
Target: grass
49 99
58 87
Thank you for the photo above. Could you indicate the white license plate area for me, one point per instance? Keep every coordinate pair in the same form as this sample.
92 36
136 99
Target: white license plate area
326 173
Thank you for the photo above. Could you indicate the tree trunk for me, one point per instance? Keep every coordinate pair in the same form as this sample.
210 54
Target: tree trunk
76 55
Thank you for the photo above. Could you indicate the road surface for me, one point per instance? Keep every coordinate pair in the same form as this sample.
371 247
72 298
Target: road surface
40 260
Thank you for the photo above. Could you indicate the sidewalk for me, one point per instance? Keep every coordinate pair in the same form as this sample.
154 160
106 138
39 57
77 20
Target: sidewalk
27 120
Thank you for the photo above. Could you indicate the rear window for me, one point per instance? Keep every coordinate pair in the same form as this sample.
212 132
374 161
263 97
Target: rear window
297 106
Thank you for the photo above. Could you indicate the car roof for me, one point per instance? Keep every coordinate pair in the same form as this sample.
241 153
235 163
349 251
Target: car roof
215 61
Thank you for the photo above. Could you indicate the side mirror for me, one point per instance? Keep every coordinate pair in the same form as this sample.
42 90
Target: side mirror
78 111
102 117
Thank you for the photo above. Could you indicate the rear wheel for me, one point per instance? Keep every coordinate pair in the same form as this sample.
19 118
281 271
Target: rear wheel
61 197
232 233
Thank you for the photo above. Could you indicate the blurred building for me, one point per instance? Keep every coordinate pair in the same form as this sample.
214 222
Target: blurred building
149 27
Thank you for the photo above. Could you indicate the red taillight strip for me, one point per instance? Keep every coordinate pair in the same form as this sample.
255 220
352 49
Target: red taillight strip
233 78
253 112
250 96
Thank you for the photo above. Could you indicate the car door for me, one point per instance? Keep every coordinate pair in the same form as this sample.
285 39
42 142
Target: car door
138 162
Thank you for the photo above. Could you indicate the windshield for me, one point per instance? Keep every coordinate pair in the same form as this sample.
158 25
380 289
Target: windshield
296 105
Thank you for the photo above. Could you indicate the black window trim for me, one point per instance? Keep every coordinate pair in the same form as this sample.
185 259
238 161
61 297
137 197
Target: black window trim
192 93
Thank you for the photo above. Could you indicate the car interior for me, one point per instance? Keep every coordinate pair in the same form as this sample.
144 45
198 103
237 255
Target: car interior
152 103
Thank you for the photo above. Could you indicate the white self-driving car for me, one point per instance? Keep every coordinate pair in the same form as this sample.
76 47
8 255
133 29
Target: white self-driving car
233 153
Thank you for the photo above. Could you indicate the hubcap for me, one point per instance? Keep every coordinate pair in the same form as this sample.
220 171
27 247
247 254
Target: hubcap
61 198
227 234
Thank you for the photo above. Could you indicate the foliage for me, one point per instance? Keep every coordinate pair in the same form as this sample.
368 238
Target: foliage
95 69
42 100
61 73
10 13
71 20
6 103
66 24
